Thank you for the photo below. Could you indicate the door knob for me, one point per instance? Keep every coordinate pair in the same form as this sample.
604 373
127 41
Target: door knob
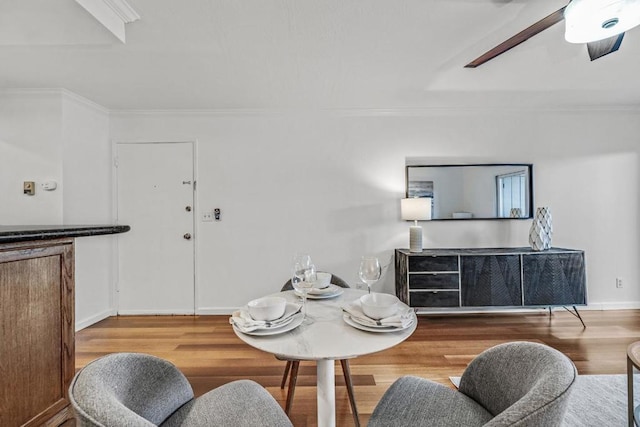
187 236
187 208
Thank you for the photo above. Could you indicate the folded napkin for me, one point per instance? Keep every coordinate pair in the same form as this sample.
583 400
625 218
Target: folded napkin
401 319
245 323
323 291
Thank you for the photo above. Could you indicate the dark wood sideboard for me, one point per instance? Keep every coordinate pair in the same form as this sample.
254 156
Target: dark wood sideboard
37 350
437 279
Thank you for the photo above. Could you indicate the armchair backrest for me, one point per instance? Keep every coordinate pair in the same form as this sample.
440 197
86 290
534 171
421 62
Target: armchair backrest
334 280
520 383
129 389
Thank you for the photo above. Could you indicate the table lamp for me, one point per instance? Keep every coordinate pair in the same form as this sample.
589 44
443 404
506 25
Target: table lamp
415 209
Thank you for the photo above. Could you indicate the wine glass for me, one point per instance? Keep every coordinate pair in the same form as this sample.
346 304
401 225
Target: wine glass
303 259
303 279
369 271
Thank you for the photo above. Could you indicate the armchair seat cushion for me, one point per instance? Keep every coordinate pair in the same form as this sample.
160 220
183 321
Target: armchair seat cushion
413 401
516 384
239 403
140 390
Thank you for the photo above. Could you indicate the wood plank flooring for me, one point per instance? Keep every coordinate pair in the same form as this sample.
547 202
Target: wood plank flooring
208 352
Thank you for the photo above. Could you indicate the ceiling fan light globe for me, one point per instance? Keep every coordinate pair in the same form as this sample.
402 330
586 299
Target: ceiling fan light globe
588 21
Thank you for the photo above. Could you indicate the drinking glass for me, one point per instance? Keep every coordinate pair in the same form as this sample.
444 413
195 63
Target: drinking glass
302 259
303 279
369 270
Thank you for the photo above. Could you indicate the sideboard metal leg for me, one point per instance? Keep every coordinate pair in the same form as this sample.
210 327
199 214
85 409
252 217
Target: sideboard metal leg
576 313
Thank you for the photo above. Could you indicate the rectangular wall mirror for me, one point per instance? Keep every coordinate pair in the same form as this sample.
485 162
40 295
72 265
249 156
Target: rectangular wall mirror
474 191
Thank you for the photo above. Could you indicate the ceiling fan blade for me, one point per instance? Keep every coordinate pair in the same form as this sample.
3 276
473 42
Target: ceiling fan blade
604 47
522 36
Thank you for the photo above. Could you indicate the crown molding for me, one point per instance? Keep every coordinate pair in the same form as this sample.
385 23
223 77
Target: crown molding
123 10
112 14
72 96
330 112
60 93
378 112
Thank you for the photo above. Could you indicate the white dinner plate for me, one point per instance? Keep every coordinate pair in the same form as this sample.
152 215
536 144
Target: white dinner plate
368 325
296 321
349 321
335 291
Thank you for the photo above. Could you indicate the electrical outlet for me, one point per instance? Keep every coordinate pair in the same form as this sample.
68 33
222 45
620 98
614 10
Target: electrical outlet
618 282
207 216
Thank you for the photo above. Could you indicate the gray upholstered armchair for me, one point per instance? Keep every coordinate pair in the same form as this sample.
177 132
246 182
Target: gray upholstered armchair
514 384
133 389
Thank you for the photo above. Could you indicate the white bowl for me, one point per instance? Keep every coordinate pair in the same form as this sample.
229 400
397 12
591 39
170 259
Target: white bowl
267 308
378 306
322 279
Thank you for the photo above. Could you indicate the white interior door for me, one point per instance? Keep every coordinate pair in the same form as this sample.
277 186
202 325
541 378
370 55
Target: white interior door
156 258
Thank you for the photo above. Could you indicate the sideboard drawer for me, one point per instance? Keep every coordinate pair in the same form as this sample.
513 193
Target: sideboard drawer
434 281
433 263
434 299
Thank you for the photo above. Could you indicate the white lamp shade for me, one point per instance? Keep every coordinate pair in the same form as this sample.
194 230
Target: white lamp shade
416 209
592 20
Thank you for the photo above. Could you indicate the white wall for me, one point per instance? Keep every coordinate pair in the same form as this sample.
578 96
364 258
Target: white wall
55 135
30 150
88 200
330 184
326 183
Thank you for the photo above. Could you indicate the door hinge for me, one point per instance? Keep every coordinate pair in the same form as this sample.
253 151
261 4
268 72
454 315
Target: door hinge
194 185
115 162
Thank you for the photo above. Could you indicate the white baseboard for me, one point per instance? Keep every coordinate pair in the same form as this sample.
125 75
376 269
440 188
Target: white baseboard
632 305
216 310
601 306
94 319
628 305
168 312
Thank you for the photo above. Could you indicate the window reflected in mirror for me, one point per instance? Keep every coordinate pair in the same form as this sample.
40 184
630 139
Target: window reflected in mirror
478 191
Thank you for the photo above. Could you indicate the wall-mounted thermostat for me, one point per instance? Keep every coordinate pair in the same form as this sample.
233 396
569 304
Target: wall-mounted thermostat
29 188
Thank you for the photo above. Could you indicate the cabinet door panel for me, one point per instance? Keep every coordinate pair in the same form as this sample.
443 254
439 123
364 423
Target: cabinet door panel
433 263
434 299
554 279
37 350
491 280
434 281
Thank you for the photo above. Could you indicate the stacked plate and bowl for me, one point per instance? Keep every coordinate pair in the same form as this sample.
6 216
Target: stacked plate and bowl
378 312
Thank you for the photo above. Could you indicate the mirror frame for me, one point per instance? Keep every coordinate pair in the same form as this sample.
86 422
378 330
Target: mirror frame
529 167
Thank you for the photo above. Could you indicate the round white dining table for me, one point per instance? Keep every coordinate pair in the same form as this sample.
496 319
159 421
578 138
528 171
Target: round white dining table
325 337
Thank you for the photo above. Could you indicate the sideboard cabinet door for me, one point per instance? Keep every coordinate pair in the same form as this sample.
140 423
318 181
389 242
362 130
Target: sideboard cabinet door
554 279
491 280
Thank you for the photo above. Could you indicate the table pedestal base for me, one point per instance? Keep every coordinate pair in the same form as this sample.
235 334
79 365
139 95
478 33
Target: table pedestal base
326 393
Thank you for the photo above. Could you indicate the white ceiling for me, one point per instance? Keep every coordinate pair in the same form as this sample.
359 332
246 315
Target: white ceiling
311 54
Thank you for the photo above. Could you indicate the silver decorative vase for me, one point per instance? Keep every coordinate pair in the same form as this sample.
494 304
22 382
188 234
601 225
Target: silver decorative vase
541 230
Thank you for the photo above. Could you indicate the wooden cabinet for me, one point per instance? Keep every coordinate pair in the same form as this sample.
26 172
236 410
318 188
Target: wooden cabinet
500 277
37 319
37 348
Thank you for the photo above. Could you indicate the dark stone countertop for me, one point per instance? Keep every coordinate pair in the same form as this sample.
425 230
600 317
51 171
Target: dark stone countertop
23 233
